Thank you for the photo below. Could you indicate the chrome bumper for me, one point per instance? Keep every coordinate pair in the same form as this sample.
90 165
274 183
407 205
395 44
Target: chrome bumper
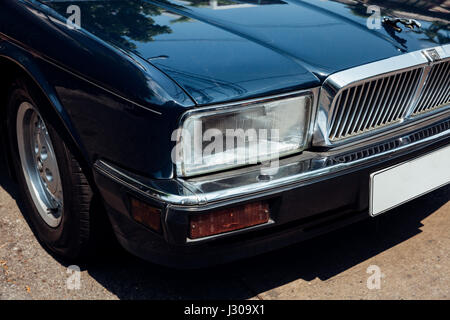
309 166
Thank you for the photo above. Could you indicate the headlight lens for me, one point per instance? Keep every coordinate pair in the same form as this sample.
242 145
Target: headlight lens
222 138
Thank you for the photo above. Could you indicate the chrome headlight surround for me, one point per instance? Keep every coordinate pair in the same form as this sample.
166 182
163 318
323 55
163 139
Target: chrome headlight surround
299 106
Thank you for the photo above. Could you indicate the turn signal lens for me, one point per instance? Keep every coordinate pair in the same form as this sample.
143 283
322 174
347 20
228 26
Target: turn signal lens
146 214
226 220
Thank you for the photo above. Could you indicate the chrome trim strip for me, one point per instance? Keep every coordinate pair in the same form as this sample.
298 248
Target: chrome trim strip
144 189
330 125
250 185
436 86
259 187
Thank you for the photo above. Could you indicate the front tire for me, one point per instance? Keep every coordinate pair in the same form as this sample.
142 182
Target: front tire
55 193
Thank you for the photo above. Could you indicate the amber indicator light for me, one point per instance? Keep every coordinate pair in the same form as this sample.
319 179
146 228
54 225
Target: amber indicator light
226 220
146 214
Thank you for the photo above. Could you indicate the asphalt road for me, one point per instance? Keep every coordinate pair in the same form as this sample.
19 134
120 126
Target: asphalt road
409 246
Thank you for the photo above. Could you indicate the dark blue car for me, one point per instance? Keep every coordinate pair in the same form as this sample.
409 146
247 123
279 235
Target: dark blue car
204 131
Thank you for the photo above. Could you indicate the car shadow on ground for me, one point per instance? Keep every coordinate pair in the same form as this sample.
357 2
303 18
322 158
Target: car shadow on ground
324 257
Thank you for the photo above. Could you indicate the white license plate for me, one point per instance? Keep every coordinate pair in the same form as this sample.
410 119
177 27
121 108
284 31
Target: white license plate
394 186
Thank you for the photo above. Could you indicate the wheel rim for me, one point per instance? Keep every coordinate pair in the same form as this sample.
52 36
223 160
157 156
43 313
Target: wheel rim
39 164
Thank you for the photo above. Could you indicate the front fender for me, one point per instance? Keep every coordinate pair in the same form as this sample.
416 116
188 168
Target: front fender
25 62
114 106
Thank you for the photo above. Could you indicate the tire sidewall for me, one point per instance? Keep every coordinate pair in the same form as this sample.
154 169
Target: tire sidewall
63 238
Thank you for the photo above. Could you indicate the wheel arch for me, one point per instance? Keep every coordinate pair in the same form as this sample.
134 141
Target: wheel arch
21 65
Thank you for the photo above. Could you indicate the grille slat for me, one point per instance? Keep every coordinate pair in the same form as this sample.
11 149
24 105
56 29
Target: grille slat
379 101
442 95
346 114
442 87
369 110
372 108
426 94
388 101
408 93
341 114
383 101
356 111
396 98
335 113
396 102
360 108
371 104
389 107
353 112
409 87
433 88
436 91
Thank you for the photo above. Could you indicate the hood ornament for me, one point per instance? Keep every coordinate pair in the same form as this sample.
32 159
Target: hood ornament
432 55
409 23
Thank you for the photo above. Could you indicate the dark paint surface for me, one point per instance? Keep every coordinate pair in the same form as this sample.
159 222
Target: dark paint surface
228 50
117 87
114 105
120 107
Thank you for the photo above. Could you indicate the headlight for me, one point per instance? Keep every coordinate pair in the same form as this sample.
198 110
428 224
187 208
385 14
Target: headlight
219 138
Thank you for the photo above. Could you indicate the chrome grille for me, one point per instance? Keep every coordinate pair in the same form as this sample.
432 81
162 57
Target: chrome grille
373 104
436 91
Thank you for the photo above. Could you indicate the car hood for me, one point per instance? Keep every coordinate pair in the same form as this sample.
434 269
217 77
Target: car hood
224 50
